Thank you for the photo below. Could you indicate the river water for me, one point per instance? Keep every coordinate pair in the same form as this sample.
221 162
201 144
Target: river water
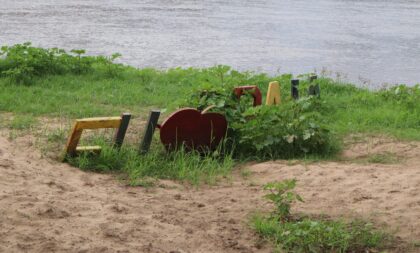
369 42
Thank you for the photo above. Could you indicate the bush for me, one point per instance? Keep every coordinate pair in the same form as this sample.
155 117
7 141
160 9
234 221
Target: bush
291 129
287 130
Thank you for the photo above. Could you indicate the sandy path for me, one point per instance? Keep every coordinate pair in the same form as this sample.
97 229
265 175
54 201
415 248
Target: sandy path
47 206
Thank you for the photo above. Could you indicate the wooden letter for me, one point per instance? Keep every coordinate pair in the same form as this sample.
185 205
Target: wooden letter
294 89
273 94
73 140
148 133
314 89
96 123
120 134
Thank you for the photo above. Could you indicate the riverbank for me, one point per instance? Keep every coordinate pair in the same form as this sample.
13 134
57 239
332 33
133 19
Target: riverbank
208 199
394 111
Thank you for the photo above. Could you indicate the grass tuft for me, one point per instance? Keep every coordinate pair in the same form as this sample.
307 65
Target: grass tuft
326 236
181 165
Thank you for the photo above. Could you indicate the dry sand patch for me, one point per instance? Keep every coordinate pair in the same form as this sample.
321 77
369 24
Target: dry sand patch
47 206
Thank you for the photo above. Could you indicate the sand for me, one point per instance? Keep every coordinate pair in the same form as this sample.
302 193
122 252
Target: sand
47 206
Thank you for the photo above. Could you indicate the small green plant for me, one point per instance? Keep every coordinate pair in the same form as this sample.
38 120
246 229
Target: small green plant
282 196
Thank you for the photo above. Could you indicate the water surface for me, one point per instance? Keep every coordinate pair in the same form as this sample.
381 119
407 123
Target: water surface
366 41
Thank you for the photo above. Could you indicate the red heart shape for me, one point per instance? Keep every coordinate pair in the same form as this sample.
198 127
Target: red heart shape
193 129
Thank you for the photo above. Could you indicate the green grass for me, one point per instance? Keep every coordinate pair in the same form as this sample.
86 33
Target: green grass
348 109
56 86
352 109
292 233
183 166
323 236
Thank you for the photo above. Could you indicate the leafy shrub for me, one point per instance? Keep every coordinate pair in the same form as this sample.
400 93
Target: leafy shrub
287 130
293 128
313 235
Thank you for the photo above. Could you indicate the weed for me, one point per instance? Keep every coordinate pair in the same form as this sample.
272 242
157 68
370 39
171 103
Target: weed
282 196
